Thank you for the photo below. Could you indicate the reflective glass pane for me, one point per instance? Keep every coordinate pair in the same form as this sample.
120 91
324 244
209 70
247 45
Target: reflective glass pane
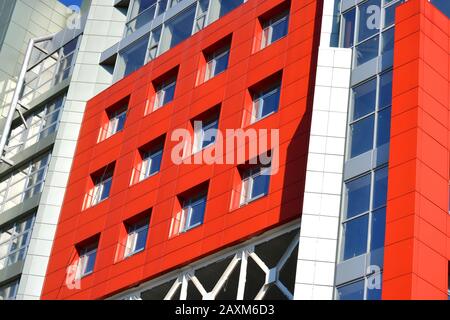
197 212
121 121
354 291
133 57
91 256
388 41
141 239
380 188
221 63
378 229
269 103
180 28
367 50
228 5
355 237
385 94
348 28
369 19
364 99
279 29
358 196
389 14
169 94
361 136
155 163
106 189
374 293
260 186
384 127
210 133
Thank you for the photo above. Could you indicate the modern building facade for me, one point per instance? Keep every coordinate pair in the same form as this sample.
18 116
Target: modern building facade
339 109
58 73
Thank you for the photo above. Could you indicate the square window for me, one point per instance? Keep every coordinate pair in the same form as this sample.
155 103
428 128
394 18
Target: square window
205 133
9 291
354 237
217 62
148 160
151 163
364 99
357 196
265 103
194 211
115 122
190 209
367 50
165 93
87 256
361 136
137 233
255 184
205 129
274 29
14 241
102 182
214 59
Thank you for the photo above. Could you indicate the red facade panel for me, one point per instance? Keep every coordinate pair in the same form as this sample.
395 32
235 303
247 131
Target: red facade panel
293 57
417 248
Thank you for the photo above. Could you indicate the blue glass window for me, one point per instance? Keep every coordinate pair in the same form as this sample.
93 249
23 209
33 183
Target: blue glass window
355 237
353 291
358 196
361 134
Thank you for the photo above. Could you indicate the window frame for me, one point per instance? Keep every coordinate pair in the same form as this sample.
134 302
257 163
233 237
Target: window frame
163 89
148 161
188 210
42 128
112 126
85 254
12 286
199 135
211 62
268 27
369 213
29 173
134 230
375 113
385 6
247 184
27 224
257 107
98 190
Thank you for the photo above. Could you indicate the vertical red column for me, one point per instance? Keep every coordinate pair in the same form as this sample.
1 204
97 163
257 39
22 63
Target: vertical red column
417 246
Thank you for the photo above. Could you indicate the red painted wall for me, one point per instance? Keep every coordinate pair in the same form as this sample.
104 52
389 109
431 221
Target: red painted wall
295 55
418 224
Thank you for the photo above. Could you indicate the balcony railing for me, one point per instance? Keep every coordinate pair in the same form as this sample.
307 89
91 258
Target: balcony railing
49 72
39 125
24 183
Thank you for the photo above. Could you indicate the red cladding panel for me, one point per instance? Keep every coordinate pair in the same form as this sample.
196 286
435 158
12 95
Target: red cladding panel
417 228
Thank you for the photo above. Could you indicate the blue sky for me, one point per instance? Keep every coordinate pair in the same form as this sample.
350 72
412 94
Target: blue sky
71 2
444 5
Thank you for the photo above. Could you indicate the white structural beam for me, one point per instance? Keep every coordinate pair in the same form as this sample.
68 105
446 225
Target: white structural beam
321 206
